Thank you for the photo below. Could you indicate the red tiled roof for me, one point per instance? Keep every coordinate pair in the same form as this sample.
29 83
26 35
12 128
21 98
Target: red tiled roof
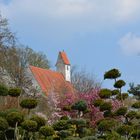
64 58
51 81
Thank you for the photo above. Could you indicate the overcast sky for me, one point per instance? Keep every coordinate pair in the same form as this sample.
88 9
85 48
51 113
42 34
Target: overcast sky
96 34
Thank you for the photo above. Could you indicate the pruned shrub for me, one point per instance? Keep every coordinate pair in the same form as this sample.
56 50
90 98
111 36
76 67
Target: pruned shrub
29 125
46 131
3 124
15 118
3 90
14 92
105 93
39 120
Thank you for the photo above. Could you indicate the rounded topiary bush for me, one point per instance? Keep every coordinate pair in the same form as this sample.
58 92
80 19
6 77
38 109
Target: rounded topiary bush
46 131
124 130
106 125
121 111
105 106
29 125
3 90
61 125
39 120
97 102
119 84
28 104
122 96
15 118
115 92
3 124
105 93
136 105
64 134
112 74
80 106
14 92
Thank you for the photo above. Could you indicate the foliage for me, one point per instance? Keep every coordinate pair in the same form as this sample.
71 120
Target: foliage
80 106
115 92
119 84
112 74
14 92
28 103
97 102
121 111
3 124
105 93
61 125
122 96
39 120
15 118
3 90
105 106
136 105
134 90
106 125
29 125
124 130
46 131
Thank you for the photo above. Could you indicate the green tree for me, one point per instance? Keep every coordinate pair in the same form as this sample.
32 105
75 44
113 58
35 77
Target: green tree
80 106
29 104
112 74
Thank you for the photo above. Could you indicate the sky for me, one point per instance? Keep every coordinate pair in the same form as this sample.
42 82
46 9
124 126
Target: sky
97 35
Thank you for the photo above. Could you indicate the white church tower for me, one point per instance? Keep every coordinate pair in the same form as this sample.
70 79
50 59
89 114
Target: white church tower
63 66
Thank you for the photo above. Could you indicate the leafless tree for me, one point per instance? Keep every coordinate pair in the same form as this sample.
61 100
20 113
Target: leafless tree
83 81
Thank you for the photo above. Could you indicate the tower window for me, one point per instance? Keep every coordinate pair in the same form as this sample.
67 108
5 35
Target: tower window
67 67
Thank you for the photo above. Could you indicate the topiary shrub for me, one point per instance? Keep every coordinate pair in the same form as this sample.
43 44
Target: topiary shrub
121 111
106 106
106 125
28 104
122 96
46 131
39 120
131 114
3 124
105 93
119 84
3 90
80 106
64 134
14 92
61 125
97 102
64 118
115 92
136 105
29 125
124 130
15 118
112 74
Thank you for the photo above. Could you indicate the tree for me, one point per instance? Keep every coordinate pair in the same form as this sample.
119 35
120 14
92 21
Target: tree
80 106
28 104
134 90
46 131
15 59
83 81
112 74
15 118
39 120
